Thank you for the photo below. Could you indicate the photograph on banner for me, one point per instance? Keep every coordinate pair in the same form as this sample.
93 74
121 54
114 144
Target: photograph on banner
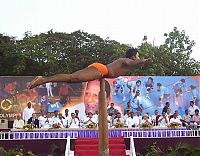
50 97
150 93
144 93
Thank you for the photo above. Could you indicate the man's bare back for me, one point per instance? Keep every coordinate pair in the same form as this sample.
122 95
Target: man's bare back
123 65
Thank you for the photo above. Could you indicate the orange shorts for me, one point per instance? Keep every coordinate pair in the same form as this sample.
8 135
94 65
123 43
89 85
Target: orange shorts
101 68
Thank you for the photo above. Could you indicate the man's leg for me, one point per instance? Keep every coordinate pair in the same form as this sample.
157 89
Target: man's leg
84 75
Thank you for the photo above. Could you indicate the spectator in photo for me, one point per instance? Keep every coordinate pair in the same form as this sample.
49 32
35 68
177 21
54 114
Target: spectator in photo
148 116
90 119
34 121
186 118
110 121
66 113
96 115
167 105
127 114
163 120
128 107
51 114
119 84
55 118
91 96
132 121
149 84
41 119
118 120
138 86
43 101
134 86
175 120
178 115
61 120
49 89
111 110
179 88
64 93
18 122
145 119
168 113
48 122
11 88
74 122
139 116
196 118
192 108
77 114
154 117
193 89
136 101
54 105
66 119
164 94
27 112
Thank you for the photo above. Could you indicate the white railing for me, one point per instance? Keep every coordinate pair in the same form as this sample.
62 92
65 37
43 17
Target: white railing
5 135
37 135
136 134
74 134
160 133
132 147
67 148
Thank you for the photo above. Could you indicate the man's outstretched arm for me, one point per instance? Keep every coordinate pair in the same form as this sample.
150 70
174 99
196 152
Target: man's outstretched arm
139 62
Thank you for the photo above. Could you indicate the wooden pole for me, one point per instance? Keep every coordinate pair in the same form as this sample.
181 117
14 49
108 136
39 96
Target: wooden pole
103 121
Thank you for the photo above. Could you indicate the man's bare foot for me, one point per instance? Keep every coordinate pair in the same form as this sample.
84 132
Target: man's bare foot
36 82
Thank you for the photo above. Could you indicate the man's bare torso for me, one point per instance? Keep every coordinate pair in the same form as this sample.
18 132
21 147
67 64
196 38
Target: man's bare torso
118 67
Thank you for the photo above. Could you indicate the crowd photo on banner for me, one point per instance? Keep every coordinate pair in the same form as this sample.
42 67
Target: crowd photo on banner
132 102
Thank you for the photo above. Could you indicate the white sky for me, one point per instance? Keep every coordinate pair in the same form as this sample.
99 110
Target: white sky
125 21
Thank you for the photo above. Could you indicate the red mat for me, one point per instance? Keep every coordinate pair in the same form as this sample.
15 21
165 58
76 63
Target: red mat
89 147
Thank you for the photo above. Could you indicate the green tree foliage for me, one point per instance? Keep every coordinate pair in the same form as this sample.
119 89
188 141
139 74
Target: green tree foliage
8 54
171 58
56 52
50 53
180 149
177 49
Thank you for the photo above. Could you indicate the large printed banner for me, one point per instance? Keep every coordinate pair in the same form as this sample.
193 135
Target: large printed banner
145 93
